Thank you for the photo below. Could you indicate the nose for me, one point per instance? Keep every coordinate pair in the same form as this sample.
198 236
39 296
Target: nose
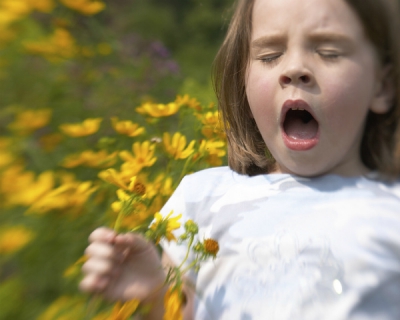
286 79
296 73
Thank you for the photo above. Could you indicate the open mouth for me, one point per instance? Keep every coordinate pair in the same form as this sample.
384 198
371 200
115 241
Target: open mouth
299 124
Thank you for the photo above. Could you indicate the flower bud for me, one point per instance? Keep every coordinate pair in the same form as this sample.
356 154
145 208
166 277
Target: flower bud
191 227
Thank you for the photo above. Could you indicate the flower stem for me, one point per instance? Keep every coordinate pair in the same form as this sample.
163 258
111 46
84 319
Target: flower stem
185 167
188 251
189 267
117 224
169 164
92 307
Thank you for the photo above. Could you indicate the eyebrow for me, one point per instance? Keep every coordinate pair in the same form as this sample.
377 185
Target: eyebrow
271 39
318 37
329 37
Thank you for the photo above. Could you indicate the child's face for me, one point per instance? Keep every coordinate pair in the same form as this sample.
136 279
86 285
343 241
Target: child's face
312 55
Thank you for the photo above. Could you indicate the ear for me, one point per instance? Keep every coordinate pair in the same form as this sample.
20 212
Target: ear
385 91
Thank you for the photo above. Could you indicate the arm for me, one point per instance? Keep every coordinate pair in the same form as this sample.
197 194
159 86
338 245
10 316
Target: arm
125 267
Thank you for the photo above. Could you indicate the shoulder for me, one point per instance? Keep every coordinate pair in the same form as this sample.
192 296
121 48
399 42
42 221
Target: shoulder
381 188
213 174
210 181
217 176
364 196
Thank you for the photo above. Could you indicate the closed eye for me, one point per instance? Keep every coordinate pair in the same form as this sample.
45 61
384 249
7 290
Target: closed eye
270 58
331 55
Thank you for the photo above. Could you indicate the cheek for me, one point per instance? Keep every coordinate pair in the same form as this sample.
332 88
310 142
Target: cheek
259 90
347 103
350 89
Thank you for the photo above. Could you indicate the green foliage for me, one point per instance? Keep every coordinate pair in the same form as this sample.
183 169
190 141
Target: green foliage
81 66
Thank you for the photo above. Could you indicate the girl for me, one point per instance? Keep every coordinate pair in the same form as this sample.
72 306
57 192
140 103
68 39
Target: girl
305 216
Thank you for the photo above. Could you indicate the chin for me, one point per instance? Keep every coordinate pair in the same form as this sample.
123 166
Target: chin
303 171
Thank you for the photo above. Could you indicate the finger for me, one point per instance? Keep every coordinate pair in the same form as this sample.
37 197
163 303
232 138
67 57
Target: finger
99 266
94 283
103 251
134 242
102 235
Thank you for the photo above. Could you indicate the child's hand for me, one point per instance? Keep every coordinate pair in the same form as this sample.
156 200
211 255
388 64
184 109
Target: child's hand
122 267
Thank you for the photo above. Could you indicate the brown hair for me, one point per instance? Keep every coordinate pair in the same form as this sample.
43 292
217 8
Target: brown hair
247 152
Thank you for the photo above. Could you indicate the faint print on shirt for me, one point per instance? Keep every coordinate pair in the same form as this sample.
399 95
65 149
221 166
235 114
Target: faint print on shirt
294 280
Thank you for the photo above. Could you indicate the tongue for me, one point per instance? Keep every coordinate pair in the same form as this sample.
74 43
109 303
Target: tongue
296 128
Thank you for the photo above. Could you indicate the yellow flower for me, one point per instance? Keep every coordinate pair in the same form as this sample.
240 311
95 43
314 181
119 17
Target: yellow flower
173 304
137 187
188 101
80 192
176 147
102 316
11 11
14 179
123 311
29 120
24 7
143 154
212 148
42 5
20 187
14 238
75 268
99 159
114 177
32 191
117 206
129 170
6 158
211 247
128 204
73 161
166 188
131 214
212 125
65 308
157 110
15 8
126 127
213 160
90 159
86 7
163 227
87 127
160 186
72 194
210 118
63 42
60 45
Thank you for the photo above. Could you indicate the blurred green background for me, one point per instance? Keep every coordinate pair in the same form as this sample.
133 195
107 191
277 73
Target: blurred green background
84 59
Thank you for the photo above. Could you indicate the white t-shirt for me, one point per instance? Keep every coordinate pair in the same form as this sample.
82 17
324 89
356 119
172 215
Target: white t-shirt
291 247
